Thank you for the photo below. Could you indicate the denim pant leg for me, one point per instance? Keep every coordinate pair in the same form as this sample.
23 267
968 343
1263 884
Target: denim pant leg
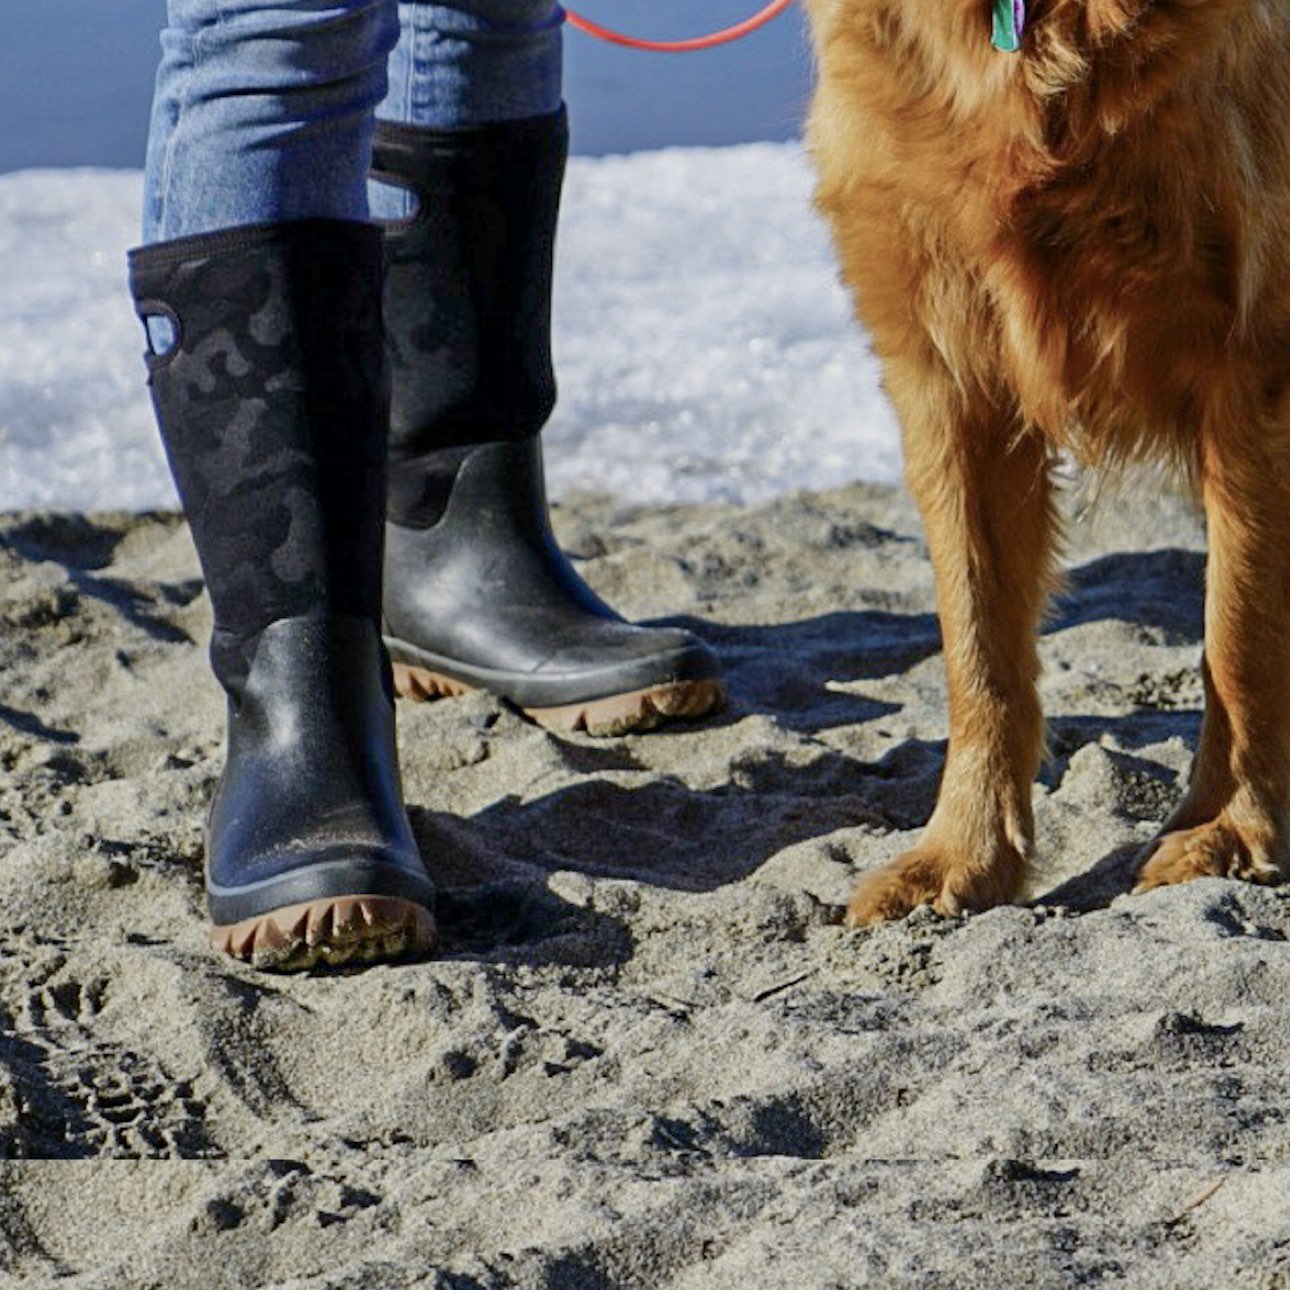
465 63
264 112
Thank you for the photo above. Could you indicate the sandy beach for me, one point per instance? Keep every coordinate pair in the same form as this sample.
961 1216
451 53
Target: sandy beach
648 1055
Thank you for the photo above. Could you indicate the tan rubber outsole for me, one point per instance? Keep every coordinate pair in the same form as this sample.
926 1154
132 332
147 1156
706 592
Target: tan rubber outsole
330 932
617 714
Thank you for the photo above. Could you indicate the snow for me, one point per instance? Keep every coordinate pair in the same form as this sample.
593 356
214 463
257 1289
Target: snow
704 347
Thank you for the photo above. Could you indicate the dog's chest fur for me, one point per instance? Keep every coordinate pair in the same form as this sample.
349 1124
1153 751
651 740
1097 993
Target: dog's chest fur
1097 228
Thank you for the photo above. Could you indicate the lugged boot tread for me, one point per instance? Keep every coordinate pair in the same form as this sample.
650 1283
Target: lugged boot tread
614 714
330 932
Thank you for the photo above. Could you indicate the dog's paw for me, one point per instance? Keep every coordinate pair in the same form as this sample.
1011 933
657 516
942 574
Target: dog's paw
949 880
1215 849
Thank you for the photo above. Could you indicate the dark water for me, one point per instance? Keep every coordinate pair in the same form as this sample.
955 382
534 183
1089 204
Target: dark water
76 76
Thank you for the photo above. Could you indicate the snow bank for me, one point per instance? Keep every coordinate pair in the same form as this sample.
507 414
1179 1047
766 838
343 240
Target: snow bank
704 347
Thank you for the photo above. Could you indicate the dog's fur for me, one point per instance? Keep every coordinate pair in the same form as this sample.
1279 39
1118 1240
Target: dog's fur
1086 247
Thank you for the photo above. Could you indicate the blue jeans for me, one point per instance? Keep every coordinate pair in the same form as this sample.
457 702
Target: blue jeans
264 109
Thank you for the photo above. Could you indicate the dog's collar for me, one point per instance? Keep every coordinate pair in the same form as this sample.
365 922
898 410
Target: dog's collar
1009 22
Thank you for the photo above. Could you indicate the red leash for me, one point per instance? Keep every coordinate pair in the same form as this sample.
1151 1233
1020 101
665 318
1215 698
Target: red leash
710 41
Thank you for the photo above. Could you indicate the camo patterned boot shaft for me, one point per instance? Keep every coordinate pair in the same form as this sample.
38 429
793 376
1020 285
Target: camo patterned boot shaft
275 372
272 402
477 592
467 296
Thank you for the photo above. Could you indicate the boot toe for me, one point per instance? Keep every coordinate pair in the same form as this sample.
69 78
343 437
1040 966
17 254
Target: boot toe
650 653
610 678
630 679
309 854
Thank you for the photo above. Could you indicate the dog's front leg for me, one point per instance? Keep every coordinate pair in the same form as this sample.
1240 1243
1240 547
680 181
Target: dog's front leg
1235 820
986 503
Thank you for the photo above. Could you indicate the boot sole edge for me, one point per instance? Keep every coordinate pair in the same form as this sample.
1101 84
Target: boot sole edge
614 714
329 932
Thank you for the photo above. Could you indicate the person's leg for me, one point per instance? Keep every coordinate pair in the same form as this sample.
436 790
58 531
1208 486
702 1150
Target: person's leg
469 159
263 112
468 63
269 383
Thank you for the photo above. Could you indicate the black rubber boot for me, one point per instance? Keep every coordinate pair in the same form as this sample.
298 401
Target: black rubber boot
272 402
477 592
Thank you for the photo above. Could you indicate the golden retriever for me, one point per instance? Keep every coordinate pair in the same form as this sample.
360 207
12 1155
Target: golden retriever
1080 246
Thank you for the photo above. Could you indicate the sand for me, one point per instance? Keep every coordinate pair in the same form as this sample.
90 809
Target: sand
648 1055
